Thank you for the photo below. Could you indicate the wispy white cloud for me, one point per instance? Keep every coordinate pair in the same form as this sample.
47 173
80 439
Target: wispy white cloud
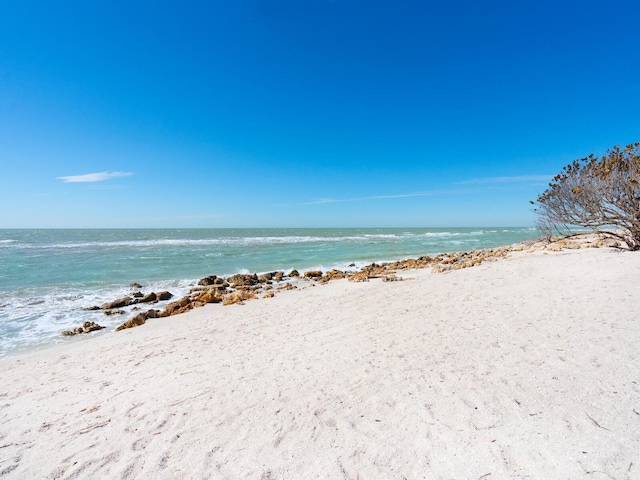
472 186
322 201
94 177
517 179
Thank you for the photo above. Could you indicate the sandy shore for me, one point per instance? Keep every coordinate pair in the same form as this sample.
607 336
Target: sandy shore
527 367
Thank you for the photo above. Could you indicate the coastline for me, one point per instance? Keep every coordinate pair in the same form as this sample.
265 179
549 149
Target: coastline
49 277
522 367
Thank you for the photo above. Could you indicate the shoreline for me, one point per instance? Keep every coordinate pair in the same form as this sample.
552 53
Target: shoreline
521 368
95 272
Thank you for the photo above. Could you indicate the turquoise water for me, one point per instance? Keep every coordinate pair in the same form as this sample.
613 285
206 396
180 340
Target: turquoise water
47 277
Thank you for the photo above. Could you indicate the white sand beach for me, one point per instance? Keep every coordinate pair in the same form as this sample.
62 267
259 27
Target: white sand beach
526 367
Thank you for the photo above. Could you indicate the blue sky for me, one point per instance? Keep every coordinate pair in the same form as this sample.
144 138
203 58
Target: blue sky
305 113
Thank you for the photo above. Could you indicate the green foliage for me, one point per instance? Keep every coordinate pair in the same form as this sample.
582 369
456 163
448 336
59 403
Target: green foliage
599 193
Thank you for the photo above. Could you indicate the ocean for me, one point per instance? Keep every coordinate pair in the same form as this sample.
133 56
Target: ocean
48 277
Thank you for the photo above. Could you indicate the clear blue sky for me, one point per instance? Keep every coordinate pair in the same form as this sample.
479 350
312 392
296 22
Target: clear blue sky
304 113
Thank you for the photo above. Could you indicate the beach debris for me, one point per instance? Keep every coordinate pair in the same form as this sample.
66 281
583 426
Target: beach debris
359 277
391 278
85 328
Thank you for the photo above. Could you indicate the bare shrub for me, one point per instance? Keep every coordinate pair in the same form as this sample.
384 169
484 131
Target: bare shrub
598 193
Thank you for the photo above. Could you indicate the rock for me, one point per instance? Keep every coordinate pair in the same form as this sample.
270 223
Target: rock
137 295
179 306
208 297
121 302
333 275
294 273
313 274
91 327
278 276
210 280
237 298
90 309
135 285
269 295
85 328
150 297
351 265
164 295
265 277
359 277
243 279
114 312
136 321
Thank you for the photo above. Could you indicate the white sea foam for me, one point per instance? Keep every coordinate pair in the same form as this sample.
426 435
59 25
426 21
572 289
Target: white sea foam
246 241
37 318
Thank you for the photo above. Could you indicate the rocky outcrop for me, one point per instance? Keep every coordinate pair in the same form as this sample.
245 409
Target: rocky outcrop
85 328
242 279
333 275
119 303
313 274
164 295
206 281
135 321
238 298
210 296
149 298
